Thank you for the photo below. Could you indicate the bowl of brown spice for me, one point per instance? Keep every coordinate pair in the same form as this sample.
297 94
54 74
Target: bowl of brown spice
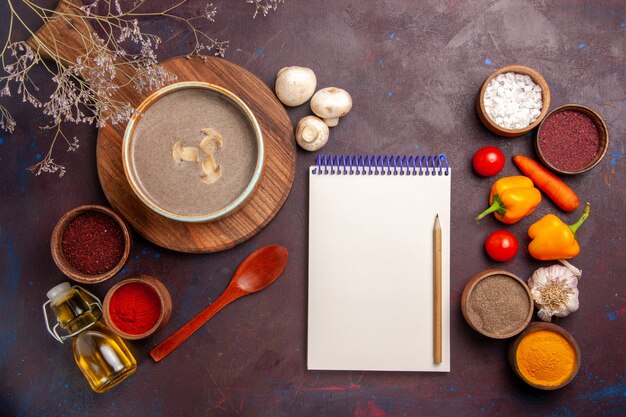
90 244
497 304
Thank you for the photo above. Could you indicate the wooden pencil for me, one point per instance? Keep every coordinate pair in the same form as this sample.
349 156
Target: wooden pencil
437 289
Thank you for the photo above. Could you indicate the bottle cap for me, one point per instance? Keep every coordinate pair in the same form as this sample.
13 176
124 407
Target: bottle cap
57 290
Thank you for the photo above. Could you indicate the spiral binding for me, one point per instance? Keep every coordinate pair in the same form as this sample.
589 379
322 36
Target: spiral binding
381 165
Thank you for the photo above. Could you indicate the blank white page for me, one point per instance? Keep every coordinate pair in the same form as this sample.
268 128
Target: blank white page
371 272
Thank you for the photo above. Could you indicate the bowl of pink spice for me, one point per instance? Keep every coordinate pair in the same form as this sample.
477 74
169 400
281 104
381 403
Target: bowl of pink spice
137 307
90 244
572 139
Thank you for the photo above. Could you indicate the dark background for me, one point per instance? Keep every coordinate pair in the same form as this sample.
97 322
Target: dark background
413 70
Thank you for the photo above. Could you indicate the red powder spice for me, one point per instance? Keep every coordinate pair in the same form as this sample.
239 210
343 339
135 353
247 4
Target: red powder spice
569 140
135 308
93 243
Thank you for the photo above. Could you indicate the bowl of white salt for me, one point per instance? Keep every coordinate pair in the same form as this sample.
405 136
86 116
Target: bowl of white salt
513 100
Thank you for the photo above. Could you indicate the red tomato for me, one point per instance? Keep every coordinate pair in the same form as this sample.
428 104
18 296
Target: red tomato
501 246
488 161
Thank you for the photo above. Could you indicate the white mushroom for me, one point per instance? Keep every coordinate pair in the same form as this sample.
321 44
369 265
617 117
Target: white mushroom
211 171
182 153
330 104
311 133
211 141
295 85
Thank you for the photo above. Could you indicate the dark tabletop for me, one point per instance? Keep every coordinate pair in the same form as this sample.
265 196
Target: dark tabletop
413 70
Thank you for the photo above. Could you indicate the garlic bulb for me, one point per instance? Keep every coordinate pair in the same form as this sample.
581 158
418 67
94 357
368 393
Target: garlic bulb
555 291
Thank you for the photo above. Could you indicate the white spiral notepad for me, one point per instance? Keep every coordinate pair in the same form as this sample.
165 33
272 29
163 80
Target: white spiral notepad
370 302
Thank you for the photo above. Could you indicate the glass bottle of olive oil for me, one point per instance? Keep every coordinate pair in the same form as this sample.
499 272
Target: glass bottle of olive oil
100 354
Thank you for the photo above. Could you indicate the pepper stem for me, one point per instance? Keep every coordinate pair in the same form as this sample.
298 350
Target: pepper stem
495 206
574 227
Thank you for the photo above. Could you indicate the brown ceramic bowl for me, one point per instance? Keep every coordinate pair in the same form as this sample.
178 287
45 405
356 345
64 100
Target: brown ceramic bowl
466 303
57 250
518 69
533 327
603 132
159 289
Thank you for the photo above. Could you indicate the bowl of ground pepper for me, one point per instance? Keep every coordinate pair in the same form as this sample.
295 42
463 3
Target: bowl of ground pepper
90 244
137 307
497 304
545 356
572 139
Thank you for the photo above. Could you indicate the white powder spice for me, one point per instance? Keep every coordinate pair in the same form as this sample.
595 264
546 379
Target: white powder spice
512 101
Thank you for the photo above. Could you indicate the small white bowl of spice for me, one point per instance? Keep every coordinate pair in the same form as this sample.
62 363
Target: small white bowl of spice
513 100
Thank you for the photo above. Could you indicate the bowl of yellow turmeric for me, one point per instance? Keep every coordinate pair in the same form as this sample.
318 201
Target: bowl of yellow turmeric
545 356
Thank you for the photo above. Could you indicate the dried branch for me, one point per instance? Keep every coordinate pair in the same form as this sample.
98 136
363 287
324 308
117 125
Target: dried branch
264 6
85 89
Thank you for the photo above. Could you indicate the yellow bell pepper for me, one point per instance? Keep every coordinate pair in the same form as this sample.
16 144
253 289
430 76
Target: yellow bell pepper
552 239
512 199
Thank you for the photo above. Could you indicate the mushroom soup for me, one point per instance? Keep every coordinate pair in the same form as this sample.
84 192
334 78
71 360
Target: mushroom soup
176 185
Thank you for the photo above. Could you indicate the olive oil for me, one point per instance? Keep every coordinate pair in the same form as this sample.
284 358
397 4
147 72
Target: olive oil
72 310
103 357
100 354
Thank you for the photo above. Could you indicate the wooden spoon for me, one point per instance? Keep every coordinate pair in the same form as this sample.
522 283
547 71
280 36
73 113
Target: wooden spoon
255 273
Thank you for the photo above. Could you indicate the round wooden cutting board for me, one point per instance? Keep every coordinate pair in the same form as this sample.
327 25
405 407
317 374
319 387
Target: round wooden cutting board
271 191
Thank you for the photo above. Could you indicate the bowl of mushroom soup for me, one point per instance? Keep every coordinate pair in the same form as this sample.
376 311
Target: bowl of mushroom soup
193 152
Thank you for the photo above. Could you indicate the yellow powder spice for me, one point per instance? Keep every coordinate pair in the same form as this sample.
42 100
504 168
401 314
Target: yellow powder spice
546 358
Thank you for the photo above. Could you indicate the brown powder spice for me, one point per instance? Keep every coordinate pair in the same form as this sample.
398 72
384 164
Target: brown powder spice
498 305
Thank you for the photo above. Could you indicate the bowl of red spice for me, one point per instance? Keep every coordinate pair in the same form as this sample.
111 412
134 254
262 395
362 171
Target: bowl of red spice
137 307
572 139
90 244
